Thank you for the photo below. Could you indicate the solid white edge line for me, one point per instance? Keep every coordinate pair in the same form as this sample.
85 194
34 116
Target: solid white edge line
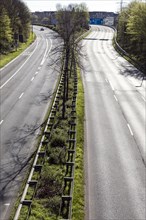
45 54
21 95
44 57
1 122
130 129
19 68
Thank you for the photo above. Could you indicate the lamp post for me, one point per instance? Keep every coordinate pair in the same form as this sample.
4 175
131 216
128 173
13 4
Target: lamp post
121 5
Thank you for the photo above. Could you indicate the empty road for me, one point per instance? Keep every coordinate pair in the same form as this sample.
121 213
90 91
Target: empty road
26 86
115 132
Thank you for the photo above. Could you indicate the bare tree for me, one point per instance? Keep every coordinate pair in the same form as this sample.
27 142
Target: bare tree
71 20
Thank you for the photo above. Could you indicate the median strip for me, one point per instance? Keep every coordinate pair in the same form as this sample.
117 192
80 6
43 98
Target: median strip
54 161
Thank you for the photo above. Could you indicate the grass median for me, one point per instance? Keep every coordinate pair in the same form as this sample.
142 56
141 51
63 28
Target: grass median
78 194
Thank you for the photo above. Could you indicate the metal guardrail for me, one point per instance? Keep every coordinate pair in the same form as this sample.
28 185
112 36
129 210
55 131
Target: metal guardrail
67 196
66 203
40 154
138 65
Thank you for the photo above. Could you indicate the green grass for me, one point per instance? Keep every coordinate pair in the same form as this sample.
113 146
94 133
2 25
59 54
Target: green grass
4 59
78 194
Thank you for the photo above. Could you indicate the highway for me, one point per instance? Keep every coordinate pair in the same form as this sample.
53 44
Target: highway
26 87
115 132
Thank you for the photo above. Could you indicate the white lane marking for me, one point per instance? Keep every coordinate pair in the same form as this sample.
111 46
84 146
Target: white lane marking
107 80
1 122
115 98
19 68
32 79
44 57
111 86
130 129
21 95
36 73
39 67
7 207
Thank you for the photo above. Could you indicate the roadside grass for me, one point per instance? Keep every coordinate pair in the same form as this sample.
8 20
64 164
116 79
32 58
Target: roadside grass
78 194
4 59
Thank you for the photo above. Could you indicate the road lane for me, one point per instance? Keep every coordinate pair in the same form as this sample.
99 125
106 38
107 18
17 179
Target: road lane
22 79
24 102
116 181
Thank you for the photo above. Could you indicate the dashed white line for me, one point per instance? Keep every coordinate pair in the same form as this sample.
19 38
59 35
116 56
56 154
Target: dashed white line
111 86
107 80
115 98
21 95
39 67
1 122
32 79
36 73
19 68
130 129
7 204
6 208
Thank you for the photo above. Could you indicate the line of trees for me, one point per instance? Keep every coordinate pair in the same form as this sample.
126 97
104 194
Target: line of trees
14 23
71 21
131 31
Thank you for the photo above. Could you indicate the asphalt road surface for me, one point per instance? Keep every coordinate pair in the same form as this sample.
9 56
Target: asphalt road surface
26 88
115 137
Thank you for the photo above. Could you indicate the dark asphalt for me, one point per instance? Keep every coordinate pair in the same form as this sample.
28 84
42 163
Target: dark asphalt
25 93
115 133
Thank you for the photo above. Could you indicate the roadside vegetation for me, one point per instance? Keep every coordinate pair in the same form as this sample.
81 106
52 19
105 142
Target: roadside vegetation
78 207
6 58
131 32
15 27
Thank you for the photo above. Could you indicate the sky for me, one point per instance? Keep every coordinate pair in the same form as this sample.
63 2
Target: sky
92 5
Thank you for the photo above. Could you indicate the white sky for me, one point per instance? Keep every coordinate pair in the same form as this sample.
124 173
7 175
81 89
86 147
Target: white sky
92 5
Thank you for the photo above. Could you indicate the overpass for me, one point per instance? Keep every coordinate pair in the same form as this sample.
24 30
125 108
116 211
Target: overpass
48 17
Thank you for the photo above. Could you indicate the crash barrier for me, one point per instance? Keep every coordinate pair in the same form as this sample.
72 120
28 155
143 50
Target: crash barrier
67 196
34 176
123 52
